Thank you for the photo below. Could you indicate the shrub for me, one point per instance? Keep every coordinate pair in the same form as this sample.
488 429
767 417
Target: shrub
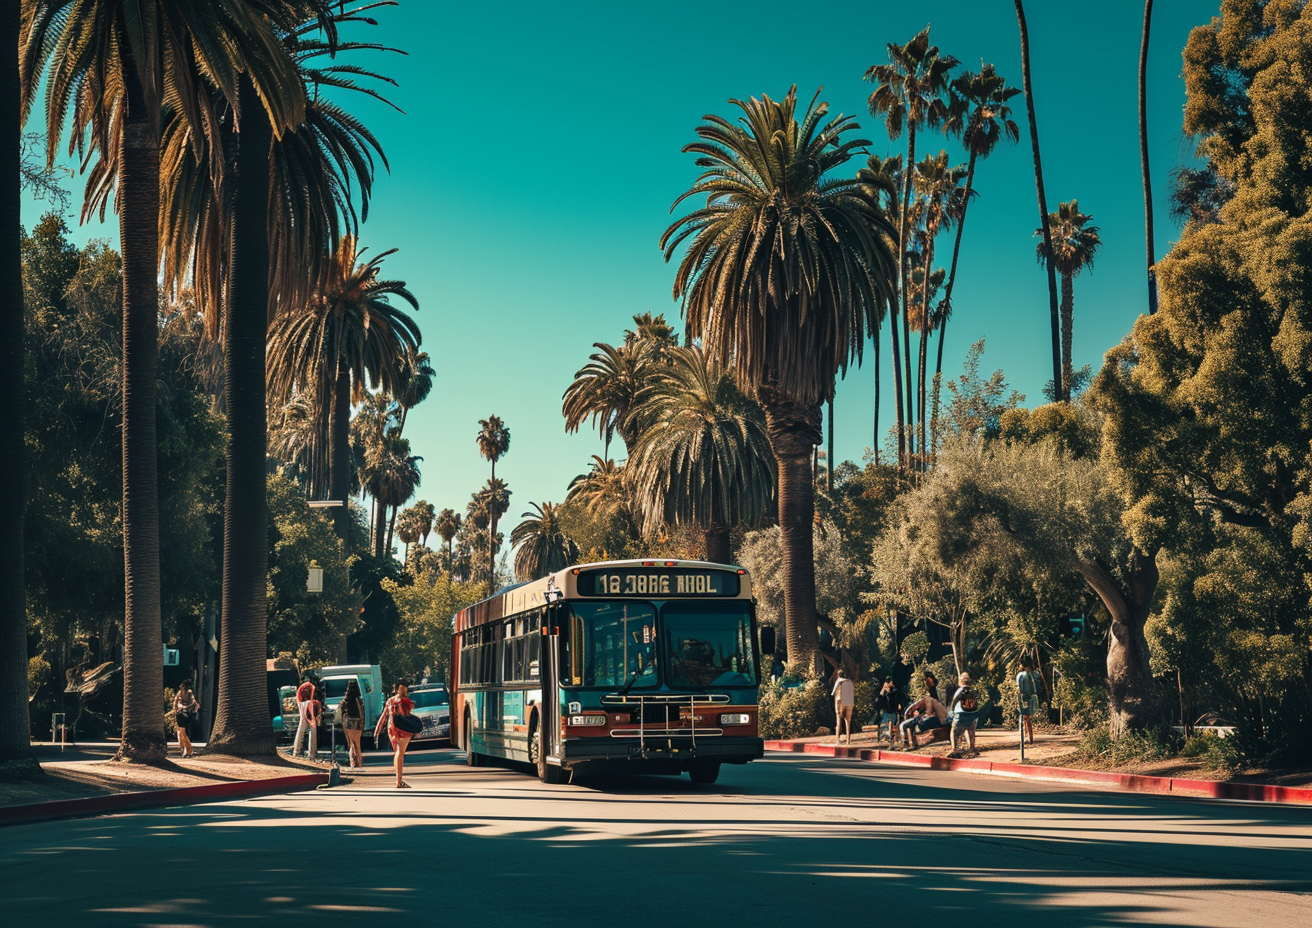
793 709
1130 747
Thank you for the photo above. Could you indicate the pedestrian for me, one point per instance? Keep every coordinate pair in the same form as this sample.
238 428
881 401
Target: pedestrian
311 712
185 707
351 712
923 715
844 694
888 706
1029 686
931 685
401 727
304 693
965 712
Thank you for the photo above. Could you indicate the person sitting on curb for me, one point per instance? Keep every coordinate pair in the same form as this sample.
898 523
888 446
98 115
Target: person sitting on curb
935 715
965 712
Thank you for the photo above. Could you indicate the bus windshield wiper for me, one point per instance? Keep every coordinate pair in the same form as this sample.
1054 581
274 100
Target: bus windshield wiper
633 678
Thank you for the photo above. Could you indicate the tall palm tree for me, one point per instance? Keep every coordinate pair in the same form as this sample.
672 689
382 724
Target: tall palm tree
15 723
942 198
784 275
605 491
118 65
390 475
1060 387
342 341
1143 156
704 459
605 391
489 504
1074 244
543 547
883 178
446 526
424 514
982 117
493 443
416 383
911 91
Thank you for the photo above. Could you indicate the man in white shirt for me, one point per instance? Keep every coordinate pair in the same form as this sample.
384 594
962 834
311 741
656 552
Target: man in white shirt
844 694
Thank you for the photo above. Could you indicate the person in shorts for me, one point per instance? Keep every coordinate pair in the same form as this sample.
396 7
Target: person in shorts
923 715
1028 685
185 707
964 711
304 693
844 694
888 708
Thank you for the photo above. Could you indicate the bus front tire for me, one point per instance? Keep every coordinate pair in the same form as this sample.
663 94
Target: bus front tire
547 773
704 772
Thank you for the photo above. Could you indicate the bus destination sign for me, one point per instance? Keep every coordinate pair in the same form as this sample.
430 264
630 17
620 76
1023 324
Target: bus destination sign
658 582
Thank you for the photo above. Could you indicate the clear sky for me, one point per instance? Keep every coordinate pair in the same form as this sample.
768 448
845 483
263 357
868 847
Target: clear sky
539 152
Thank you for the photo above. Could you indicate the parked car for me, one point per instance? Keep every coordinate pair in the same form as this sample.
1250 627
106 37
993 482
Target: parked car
433 705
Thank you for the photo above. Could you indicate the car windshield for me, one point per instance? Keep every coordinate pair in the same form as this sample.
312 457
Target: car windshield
708 644
427 699
335 688
613 644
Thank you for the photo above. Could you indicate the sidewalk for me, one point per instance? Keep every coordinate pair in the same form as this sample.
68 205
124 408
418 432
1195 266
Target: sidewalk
999 755
83 780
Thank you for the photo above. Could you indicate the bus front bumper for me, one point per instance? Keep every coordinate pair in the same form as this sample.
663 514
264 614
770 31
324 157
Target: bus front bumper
663 750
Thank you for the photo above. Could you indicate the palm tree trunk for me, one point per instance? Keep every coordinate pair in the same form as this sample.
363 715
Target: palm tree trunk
1067 322
1143 158
1059 388
716 539
241 724
947 293
907 172
793 430
380 527
875 443
923 359
138 201
15 721
391 529
340 442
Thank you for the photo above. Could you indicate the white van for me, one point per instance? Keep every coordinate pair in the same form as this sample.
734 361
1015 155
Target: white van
370 679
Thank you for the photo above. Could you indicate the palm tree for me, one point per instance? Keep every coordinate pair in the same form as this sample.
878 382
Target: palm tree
117 65
493 443
910 90
982 118
416 383
1059 386
606 389
883 178
414 524
447 525
390 475
604 490
785 273
487 507
15 722
425 514
1074 244
348 337
543 547
705 459
1143 156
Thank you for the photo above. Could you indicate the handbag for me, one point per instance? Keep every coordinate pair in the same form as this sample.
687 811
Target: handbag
407 724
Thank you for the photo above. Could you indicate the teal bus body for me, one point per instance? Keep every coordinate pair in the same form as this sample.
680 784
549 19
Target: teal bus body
632 666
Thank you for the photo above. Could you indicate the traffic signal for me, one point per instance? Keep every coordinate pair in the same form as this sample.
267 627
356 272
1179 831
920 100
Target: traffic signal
1077 625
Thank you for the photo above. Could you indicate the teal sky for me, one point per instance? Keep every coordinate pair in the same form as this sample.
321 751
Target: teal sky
539 152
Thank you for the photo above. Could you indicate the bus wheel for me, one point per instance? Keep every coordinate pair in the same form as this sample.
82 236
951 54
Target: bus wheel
547 773
704 772
471 759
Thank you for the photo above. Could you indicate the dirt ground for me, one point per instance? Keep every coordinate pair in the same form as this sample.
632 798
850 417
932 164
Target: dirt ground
1056 747
90 771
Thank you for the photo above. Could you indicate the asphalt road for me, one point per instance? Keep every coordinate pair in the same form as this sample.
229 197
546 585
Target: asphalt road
790 840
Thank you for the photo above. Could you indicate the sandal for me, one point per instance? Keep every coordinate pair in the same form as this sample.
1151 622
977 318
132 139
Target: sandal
403 785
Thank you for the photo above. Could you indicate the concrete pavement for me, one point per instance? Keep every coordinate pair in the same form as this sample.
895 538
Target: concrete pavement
788 840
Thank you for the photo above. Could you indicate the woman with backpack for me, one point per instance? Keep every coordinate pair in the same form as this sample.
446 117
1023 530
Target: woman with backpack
964 711
351 713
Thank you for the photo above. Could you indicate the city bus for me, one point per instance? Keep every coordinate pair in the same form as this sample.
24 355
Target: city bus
626 666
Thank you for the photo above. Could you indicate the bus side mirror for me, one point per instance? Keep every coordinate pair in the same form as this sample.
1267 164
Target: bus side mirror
767 640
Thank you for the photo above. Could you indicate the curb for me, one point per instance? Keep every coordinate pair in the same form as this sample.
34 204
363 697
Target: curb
154 799
1176 786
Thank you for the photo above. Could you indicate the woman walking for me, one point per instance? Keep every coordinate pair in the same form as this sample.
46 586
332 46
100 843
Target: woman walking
401 726
184 713
351 712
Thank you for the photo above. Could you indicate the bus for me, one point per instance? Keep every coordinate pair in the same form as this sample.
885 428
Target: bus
644 666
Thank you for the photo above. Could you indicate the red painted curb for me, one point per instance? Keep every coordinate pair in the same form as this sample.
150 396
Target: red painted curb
153 799
1216 789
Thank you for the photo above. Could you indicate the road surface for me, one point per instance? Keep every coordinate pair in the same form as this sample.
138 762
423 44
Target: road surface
791 840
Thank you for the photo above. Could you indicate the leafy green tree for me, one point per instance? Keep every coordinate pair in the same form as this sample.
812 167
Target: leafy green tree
1074 245
912 90
977 405
420 645
703 457
542 545
786 270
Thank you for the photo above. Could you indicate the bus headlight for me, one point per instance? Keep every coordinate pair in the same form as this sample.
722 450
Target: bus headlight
735 718
580 721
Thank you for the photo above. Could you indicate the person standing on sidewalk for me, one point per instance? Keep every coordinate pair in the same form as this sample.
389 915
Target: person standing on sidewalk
399 707
304 693
185 707
1028 686
844 694
888 709
311 711
965 712
351 712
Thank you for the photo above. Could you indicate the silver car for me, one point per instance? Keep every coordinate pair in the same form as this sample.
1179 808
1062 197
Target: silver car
433 706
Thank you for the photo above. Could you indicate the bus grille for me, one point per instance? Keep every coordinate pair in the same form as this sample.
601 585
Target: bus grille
668 716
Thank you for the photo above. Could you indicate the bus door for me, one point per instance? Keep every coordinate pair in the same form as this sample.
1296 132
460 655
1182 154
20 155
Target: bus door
549 671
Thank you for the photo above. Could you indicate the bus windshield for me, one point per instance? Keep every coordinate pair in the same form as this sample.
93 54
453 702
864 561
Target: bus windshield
709 644
613 644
